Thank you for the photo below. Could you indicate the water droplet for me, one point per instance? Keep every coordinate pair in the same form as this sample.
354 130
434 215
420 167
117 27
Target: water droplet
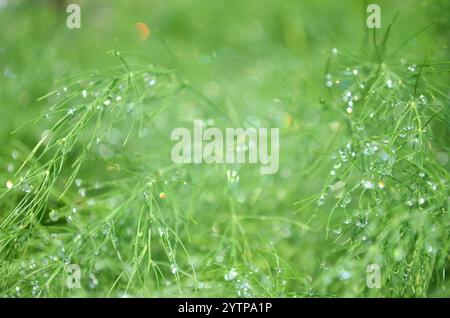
107 102
422 99
84 93
412 68
173 268
32 265
346 200
27 188
244 289
35 290
10 168
151 81
370 148
345 275
333 172
337 231
360 222
82 192
219 258
389 83
347 96
71 111
106 229
321 200
421 201
381 184
355 72
67 261
328 83
53 215
78 182
367 184
432 185
163 232
231 274
9 184
349 110
334 51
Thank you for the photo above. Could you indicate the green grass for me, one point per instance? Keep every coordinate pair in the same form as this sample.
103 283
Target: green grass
86 176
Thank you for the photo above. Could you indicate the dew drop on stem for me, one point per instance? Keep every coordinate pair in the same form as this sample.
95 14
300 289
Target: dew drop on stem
231 274
321 200
27 188
174 269
53 215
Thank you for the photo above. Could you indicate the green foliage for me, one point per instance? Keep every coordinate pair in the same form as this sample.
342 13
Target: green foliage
86 176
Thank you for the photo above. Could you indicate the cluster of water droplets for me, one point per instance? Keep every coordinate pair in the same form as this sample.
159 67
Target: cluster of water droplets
149 79
349 98
241 282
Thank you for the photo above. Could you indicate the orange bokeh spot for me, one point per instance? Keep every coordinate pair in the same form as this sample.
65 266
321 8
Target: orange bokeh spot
289 120
143 30
163 195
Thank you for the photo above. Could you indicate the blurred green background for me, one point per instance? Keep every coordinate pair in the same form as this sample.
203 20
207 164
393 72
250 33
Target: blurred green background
252 60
